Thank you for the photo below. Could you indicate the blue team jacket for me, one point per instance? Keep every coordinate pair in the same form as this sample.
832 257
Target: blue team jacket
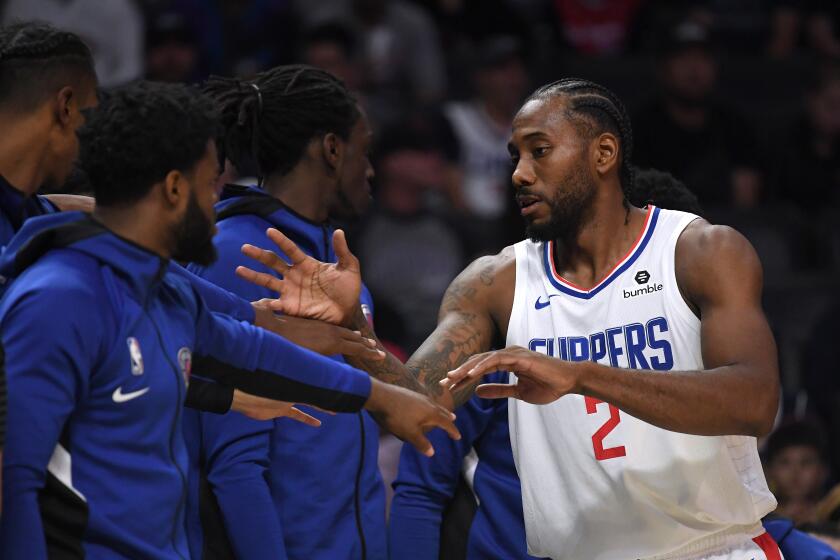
281 489
424 487
15 209
100 337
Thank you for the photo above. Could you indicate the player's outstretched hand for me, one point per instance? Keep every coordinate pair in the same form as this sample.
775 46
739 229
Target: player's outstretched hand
308 287
409 415
318 336
541 379
260 408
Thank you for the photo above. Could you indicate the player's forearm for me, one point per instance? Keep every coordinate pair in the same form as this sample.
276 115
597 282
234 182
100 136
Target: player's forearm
424 370
729 400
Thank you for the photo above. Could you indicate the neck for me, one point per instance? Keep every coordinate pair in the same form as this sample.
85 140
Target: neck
303 191
139 223
605 236
23 153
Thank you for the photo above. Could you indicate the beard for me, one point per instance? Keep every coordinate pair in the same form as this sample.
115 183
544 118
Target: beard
193 236
570 207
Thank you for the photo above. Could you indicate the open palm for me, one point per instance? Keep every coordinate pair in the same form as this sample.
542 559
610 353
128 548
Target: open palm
308 287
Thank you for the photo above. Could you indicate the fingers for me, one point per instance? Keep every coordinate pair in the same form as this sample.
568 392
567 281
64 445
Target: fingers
269 258
447 423
473 368
302 417
346 259
422 444
497 391
361 350
260 279
286 245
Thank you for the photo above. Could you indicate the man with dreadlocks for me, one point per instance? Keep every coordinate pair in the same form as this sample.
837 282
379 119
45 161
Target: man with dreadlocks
274 489
643 364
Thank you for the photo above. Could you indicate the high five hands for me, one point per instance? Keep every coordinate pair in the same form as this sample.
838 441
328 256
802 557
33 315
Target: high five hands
541 379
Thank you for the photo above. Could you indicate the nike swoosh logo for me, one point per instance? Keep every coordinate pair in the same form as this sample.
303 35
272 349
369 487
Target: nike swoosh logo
542 304
120 397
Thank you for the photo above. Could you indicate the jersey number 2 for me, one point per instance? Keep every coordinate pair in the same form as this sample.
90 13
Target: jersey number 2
598 437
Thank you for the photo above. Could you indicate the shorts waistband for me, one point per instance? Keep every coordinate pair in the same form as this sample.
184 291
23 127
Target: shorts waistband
737 535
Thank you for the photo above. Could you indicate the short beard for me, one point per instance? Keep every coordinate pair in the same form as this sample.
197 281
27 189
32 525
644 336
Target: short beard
571 207
193 236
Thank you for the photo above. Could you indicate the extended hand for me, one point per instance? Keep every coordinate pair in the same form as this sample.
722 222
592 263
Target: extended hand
542 379
308 287
409 415
260 408
318 336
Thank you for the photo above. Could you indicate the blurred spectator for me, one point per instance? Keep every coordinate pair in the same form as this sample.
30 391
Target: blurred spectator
331 46
807 158
240 37
796 464
172 51
113 30
482 127
410 255
596 27
689 133
804 23
400 51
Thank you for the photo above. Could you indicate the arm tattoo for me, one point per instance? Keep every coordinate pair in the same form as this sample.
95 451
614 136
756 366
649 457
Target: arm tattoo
460 334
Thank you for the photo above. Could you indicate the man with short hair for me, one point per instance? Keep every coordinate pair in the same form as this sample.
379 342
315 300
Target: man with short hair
96 460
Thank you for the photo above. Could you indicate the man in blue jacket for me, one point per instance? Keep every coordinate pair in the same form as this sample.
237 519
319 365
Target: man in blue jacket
424 488
101 338
278 489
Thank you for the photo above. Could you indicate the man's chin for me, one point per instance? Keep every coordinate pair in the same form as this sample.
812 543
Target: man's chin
204 257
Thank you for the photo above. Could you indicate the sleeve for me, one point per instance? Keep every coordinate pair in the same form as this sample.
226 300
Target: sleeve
215 298
2 399
47 374
261 363
237 463
424 486
208 396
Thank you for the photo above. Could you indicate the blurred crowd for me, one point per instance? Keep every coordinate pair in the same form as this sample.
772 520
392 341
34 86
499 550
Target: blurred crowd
740 99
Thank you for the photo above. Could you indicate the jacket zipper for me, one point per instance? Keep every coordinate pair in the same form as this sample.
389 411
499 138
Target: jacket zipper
176 418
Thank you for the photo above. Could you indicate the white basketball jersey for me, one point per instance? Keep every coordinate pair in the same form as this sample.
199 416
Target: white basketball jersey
597 483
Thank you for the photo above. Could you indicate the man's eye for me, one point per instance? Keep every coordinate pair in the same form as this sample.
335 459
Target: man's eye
541 151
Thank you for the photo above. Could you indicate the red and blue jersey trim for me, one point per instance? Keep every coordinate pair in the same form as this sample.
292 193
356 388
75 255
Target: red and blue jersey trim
632 255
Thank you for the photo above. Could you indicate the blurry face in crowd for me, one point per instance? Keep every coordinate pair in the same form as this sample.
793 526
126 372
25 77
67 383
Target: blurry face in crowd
690 75
171 61
406 175
353 195
503 85
193 233
824 109
70 104
797 473
553 183
332 58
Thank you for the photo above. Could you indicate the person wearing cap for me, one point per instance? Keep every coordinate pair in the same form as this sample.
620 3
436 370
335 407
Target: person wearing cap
687 131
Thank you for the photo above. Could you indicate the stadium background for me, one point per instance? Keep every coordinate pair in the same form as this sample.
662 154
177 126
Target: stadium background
740 99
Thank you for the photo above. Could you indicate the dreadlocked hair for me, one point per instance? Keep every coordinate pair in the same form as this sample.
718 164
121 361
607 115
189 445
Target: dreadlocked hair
595 109
268 121
36 60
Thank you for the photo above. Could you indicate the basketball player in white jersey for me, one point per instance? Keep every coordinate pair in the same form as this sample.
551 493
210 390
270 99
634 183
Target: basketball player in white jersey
644 366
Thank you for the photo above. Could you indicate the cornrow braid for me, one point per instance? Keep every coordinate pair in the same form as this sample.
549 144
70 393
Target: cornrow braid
268 121
36 59
604 109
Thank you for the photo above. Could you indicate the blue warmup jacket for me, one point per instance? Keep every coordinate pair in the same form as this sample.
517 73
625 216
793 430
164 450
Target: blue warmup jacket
100 336
15 208
280 489
424 487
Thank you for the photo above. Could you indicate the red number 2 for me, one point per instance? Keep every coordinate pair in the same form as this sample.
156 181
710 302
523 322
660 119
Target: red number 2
598 438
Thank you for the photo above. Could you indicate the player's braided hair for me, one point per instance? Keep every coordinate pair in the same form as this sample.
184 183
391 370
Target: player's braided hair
601 107
269 120
36 59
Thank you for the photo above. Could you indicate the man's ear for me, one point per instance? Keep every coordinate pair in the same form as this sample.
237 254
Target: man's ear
332 148
175 189
65 99
605 153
